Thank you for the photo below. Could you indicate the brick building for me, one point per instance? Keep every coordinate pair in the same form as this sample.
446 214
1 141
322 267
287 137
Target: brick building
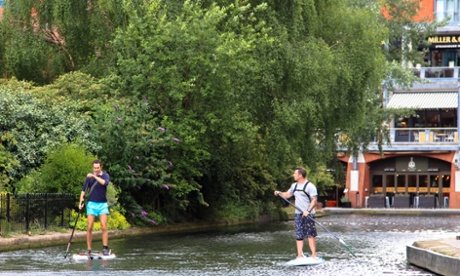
421 167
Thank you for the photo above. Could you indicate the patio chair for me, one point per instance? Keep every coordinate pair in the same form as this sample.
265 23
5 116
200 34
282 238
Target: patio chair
450 137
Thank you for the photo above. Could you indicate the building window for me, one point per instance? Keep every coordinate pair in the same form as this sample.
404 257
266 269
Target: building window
447 9
429 118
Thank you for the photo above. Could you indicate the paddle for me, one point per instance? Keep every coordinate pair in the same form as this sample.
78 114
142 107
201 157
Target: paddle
76 220
335 236
73 230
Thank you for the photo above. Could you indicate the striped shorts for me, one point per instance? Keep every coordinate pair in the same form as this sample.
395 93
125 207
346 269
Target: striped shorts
304 227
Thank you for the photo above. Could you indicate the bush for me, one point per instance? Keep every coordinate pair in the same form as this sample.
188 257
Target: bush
31 128
64 171
65 168
30 183
236 210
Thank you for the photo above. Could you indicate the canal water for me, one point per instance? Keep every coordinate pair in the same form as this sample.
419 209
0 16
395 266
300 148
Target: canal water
378 241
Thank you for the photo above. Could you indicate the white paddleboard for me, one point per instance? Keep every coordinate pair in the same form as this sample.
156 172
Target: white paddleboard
93 256
305 261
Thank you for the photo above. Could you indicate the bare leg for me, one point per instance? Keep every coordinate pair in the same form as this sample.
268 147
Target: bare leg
89 231
299 248
312 244
105 233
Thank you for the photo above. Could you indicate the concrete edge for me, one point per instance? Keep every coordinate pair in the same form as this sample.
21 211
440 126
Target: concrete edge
393 211
432 261
24 241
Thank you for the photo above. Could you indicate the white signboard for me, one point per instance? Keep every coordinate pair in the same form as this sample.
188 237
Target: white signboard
354 179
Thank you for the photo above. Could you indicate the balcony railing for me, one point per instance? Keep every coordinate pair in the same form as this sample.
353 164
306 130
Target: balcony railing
424 135
437 73
414 136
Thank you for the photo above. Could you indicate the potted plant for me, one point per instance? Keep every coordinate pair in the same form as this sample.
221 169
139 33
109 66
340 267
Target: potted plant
345 202
427 201
401 201
376 201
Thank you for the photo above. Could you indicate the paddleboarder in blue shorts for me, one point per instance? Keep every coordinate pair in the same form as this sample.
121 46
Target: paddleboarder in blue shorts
96 183
305 194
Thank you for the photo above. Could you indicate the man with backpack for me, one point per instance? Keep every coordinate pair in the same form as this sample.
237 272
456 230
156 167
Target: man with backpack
306 195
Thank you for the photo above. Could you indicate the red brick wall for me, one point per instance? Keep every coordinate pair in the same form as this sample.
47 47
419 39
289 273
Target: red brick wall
426 13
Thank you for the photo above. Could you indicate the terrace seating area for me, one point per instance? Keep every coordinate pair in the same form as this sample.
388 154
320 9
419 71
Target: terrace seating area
423 135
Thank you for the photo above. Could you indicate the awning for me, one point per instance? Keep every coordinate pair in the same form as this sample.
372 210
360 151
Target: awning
424 100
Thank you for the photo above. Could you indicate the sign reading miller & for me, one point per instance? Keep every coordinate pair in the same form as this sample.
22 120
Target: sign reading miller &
444 41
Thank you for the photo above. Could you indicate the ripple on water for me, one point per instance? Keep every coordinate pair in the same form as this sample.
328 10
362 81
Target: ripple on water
379 243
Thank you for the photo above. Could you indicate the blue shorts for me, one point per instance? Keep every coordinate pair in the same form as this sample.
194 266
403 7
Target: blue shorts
304 227
97 208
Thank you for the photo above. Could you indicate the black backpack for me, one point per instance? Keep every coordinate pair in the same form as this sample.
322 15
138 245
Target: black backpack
304 189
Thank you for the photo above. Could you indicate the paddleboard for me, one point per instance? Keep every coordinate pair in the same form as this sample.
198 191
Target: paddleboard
305 261
93 256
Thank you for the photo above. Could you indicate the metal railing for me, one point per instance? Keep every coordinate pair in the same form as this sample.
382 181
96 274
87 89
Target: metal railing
423 135
19 212
437 73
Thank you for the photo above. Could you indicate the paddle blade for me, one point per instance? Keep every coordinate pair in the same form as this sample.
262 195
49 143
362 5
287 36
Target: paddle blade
348 247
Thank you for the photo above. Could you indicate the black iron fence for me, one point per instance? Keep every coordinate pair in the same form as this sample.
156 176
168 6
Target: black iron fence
24 212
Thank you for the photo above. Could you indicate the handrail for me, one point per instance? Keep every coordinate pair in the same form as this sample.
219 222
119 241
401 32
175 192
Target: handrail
437 135
437 73
424 135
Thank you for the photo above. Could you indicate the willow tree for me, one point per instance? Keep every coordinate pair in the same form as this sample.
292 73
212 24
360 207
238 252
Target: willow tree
405 37
339 57
321 77
44 39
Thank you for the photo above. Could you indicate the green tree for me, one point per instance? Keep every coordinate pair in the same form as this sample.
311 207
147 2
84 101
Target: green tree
31 128
134 150
249 88
65 169
196 67
324 73
44 39
7 166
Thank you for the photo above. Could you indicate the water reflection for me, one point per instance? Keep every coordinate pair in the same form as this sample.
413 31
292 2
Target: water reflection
379 243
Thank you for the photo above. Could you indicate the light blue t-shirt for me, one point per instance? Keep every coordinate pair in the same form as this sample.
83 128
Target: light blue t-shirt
301 199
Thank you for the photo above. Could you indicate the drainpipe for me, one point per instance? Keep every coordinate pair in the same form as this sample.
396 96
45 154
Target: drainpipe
457 161
457 174
458 126
355 168
355 161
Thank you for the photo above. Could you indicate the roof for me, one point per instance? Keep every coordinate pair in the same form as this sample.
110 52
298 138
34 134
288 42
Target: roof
431 100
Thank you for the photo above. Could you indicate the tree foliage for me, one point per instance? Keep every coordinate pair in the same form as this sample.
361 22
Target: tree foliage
248 87
135 153
44 39
196 68
63 171
31 128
